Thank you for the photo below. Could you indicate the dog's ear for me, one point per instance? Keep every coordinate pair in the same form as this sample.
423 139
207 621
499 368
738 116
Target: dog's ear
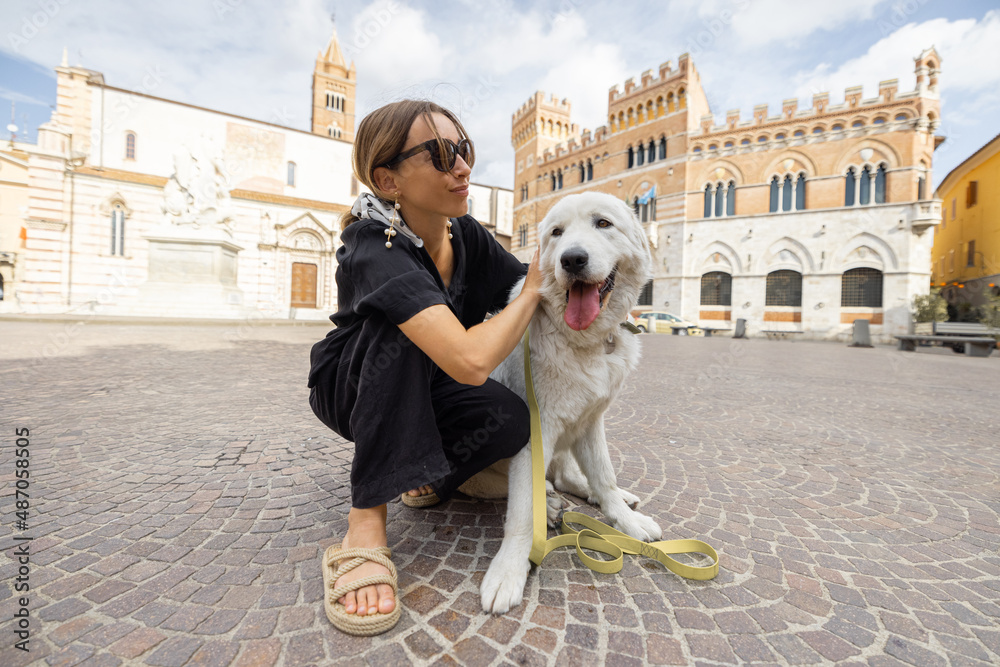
637 236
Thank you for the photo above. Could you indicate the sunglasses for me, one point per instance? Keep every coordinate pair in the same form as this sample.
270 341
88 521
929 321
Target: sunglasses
441 162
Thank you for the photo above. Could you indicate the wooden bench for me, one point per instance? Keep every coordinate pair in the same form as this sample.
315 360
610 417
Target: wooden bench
973 347
780 335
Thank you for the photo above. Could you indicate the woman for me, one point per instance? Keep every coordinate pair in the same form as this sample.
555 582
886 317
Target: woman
405 373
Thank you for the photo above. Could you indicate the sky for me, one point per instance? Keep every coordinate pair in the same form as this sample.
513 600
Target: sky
485 58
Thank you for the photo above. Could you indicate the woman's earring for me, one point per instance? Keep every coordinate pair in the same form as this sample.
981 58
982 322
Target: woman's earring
392 221
449 228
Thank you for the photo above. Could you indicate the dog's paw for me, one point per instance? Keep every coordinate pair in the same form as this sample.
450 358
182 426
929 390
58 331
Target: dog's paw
640 526
630 499
503 586
554 505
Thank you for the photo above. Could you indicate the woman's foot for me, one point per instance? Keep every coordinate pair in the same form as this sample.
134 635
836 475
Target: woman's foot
366 528
425 490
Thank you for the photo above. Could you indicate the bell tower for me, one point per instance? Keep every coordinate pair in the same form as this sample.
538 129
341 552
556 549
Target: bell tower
333 93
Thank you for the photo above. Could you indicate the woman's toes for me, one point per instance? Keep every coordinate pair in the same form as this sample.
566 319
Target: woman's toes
350 602
386 599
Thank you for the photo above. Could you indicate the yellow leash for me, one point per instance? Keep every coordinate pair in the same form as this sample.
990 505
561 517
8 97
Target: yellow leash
594 535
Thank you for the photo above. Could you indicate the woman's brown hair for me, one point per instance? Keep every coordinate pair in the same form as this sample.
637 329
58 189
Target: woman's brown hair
382 134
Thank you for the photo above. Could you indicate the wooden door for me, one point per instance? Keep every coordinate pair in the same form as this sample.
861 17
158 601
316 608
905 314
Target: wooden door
303 285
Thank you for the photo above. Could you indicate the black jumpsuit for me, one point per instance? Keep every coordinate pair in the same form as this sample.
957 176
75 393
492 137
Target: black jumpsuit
410 422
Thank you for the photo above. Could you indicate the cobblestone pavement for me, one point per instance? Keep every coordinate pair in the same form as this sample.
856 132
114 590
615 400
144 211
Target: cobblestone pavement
182 492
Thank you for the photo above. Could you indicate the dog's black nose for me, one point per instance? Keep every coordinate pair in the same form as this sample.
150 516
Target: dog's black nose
575 260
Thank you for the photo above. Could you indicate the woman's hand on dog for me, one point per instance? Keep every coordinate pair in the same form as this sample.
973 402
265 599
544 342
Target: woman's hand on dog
533 281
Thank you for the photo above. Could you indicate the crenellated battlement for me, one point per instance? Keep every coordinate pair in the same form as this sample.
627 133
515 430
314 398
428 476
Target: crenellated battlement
647 82
854 102
537 103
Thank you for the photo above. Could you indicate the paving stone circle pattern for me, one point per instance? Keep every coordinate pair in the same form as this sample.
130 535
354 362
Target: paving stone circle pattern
182 492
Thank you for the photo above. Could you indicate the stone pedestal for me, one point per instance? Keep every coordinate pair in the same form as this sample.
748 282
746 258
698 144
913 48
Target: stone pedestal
192 273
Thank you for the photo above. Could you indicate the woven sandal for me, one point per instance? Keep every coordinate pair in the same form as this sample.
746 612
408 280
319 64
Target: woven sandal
425 500
336 563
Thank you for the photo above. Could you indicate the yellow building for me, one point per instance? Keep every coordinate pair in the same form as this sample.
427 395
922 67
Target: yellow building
966 254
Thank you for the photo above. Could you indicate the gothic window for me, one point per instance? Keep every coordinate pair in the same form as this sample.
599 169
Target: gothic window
130 145
761 139
708 201
697 149
720 191
651 152
745 142
786 194
631 157
800 193
817 130
590 170
849 184
681 99
559 179
921 188
646 295
784 288
861 288
583 173
731 198
837 128
878 121
118 229
728 144
774 195
663 148
640 156
858 123
799 133
553 182
880 185
716 289
900 116
779 136
291 174
713 147
866 185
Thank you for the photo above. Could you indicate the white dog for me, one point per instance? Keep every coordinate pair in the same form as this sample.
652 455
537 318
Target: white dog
595 260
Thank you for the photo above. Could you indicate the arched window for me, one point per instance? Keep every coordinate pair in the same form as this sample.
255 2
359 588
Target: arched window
817 130
553 181
640 156
590 170
728 144
799 133
849 187
651 150
774 195
866 185
681 99
631 157
861 288
697 149
784 288
663 148
559 179
878 121
779 136
708 201
800 193
713 147
837 128
786 194
761 139
118 229
858 123
583 173
922 188
130 145
880 185
720 191
900 116
731 198
716 289
745 142
291 174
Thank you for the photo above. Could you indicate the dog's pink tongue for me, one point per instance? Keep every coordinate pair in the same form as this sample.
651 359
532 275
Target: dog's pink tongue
583 307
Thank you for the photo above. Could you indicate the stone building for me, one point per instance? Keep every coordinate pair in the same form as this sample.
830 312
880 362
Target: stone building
800 220
133 204
966 255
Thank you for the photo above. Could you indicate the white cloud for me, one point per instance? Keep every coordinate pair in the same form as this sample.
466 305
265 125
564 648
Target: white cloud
969 50
759 22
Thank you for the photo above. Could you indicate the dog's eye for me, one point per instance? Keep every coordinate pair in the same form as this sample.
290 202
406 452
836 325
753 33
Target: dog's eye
604 224
557 232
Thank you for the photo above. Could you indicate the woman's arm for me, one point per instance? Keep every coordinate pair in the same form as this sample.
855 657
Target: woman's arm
470 355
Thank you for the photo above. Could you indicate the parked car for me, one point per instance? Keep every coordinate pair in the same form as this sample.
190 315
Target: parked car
661 322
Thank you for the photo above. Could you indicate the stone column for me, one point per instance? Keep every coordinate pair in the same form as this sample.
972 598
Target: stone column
857 187
871 186
781 194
